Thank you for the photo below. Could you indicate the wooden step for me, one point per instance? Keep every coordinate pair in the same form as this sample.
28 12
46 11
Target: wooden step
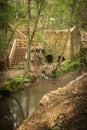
18 58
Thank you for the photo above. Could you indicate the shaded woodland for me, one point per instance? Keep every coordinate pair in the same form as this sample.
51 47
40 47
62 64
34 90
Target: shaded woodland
45 40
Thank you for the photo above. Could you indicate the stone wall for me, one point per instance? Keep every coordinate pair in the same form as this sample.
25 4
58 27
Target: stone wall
57 42
75 42
66 42
84 46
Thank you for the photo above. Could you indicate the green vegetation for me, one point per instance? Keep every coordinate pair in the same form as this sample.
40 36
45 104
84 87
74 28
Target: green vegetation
14 83
18 79
40 37
61 90
66 66
6 17
55 14
9 87
61 13
6 14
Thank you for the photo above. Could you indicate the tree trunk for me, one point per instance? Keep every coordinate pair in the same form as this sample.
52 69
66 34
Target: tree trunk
30 37
17 9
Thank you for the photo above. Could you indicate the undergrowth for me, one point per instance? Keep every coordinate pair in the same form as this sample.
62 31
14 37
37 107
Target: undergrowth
14 82
66 66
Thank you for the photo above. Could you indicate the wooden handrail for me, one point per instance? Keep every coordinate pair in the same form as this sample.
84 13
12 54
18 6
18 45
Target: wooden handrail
12 51
18 33
26 56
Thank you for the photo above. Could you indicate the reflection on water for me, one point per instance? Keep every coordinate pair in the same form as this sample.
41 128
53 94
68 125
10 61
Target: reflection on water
14 109
11 114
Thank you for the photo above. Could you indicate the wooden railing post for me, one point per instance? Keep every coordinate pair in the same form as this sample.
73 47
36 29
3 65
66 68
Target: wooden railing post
12 52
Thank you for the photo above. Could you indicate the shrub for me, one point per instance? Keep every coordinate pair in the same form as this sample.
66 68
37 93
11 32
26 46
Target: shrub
20 78
17 79
7 85
66 66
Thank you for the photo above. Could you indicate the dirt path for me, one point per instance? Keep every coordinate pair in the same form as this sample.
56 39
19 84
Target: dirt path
14 72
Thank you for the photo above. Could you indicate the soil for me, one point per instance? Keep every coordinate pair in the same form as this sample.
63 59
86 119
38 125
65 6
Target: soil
5 75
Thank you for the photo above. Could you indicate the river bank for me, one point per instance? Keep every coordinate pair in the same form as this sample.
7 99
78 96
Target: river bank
25 100
10 80
65 108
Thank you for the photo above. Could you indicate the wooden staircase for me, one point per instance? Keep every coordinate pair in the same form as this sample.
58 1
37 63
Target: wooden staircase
18 58
17 55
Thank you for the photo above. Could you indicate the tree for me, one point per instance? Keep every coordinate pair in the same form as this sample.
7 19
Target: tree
6 14
30 35
80 14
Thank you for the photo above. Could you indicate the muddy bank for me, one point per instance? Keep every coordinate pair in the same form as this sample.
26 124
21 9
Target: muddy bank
65 108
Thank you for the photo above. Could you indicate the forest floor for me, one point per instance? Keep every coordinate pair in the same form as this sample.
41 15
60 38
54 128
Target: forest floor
10 72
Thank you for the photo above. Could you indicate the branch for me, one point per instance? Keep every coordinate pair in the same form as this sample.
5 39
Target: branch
37 19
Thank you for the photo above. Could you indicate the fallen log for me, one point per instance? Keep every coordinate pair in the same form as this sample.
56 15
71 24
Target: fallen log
63 109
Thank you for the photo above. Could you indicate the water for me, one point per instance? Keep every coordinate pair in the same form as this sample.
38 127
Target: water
15 108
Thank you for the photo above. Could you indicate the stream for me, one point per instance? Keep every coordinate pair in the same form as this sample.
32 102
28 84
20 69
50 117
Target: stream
14 109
